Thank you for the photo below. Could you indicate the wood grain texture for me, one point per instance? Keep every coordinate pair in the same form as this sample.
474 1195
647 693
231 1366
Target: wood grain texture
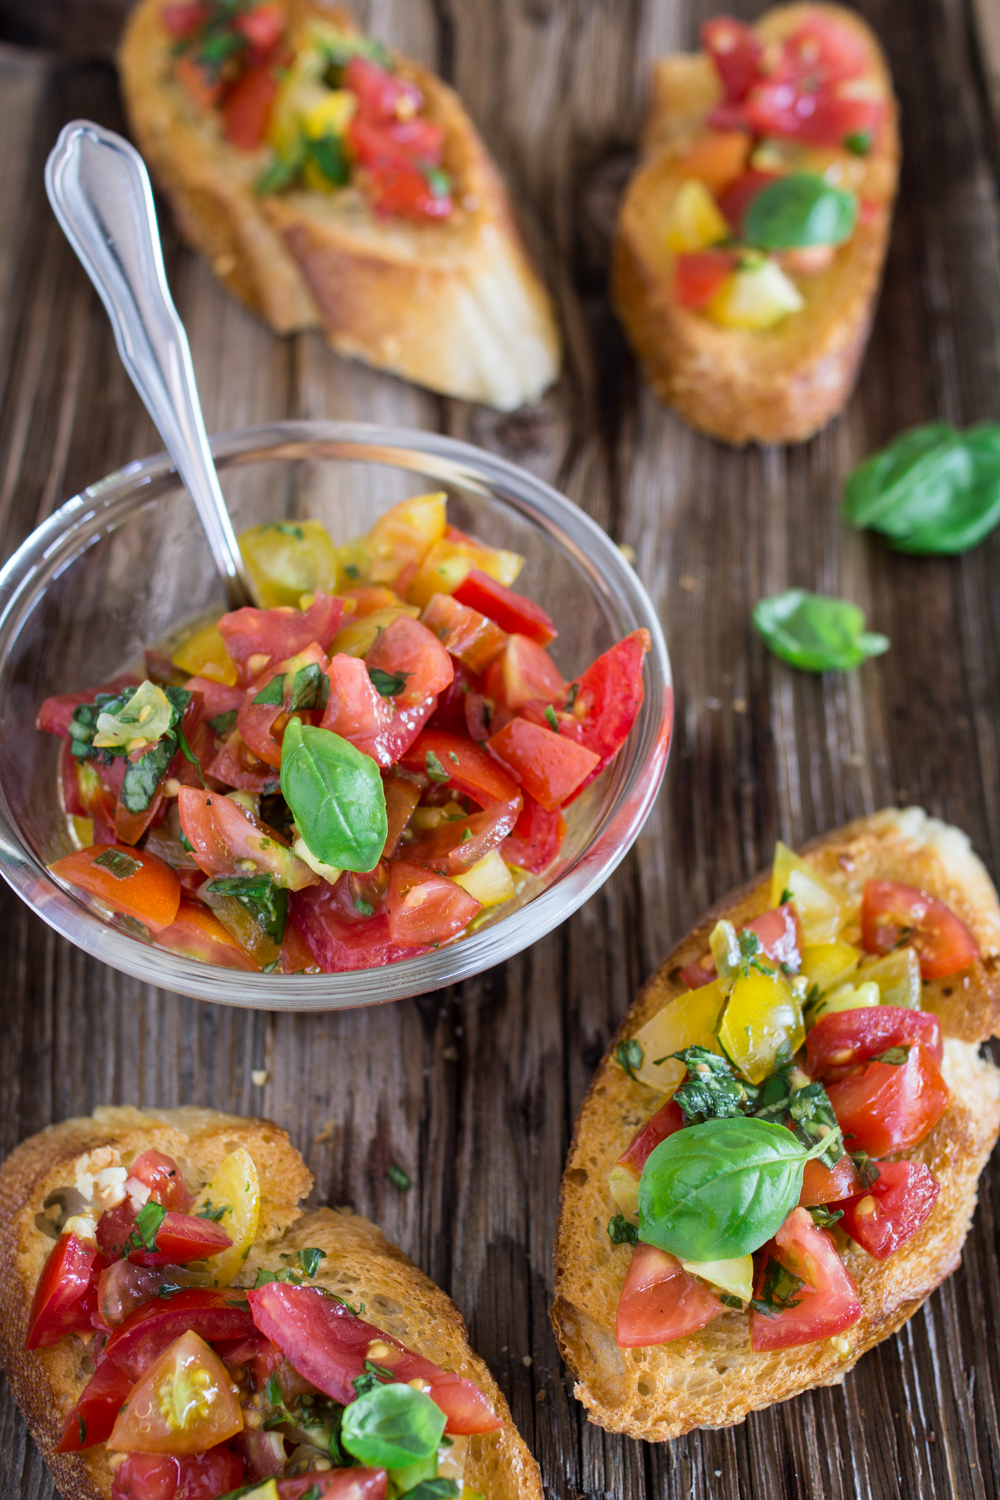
473 1091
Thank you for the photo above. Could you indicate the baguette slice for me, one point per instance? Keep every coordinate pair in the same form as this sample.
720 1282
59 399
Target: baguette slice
456 306
777 385
713 1378
360 1266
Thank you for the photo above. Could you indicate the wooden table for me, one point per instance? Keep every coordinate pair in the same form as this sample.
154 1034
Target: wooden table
474 1090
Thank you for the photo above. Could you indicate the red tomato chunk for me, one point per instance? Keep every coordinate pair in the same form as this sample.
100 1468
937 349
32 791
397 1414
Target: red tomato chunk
660 1301
892 914
890 1106
826 1304
892 1209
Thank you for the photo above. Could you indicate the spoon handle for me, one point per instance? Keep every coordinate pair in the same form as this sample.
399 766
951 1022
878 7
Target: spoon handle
99 189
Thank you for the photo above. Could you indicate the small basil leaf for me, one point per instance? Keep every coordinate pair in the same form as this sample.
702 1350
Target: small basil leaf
720 1190
816 633
223 723
434 1489
392 1426
798 211
310 688
271 696
389 684
336 797
119 864
330 154
933 490
629 1055
143 776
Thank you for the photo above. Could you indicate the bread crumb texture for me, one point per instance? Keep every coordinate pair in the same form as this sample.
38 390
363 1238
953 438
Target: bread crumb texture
713 1378
360 1266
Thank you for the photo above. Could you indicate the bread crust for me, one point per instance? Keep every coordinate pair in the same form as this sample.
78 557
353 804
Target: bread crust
713 1378
777 385
455 306
360 1265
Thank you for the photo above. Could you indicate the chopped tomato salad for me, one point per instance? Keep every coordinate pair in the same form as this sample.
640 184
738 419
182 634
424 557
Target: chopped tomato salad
780 179
359 770
328 106
794 1074
202 1387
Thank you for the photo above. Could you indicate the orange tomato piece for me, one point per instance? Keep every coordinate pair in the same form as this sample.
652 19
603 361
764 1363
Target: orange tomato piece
130 880
718 159
183 1404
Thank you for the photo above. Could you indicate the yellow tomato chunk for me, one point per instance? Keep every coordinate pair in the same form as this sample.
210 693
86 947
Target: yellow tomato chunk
897 976
287 559
688 1021
232 1199
489 881
825 965
451 560
400 540
204 655
762 1019
732 1276
820 909
624 1188
696 220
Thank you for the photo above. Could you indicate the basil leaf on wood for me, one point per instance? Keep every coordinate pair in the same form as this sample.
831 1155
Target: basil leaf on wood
816 633
392 1426
932 490
800 210
722 1189
336 797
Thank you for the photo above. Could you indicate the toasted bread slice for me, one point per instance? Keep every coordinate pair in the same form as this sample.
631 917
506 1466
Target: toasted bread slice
775 385
360 1266
713 1378
456 305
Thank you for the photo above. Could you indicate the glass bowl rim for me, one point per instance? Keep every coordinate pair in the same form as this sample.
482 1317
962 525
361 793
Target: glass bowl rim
103 506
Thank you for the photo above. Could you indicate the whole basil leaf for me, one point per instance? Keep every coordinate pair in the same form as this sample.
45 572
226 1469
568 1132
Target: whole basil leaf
392 1426
816 633
722 1189
336 797
800 210
932 490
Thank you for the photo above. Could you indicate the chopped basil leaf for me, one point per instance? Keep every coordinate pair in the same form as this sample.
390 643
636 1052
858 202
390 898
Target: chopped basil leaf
309 1260
189 754
363 907
711 1090
147 1225
329 153
398 1178
281 173
896 1056
438 181
621 1232
434 1489
824 1217
215 1212
273 694
816 633
223 723
778 1292
629 1055
389 684
266 902
859 142
435 770
866 1169
550 718
119 864
728 1300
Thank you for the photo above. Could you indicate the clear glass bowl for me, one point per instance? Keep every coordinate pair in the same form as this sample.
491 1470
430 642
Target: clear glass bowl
124 565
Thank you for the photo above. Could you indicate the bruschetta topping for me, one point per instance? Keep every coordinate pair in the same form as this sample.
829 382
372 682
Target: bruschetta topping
250 1389
796 1065
327 102
773 189
343 784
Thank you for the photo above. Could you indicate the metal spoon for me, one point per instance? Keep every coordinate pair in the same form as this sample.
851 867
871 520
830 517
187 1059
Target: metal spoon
99 189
